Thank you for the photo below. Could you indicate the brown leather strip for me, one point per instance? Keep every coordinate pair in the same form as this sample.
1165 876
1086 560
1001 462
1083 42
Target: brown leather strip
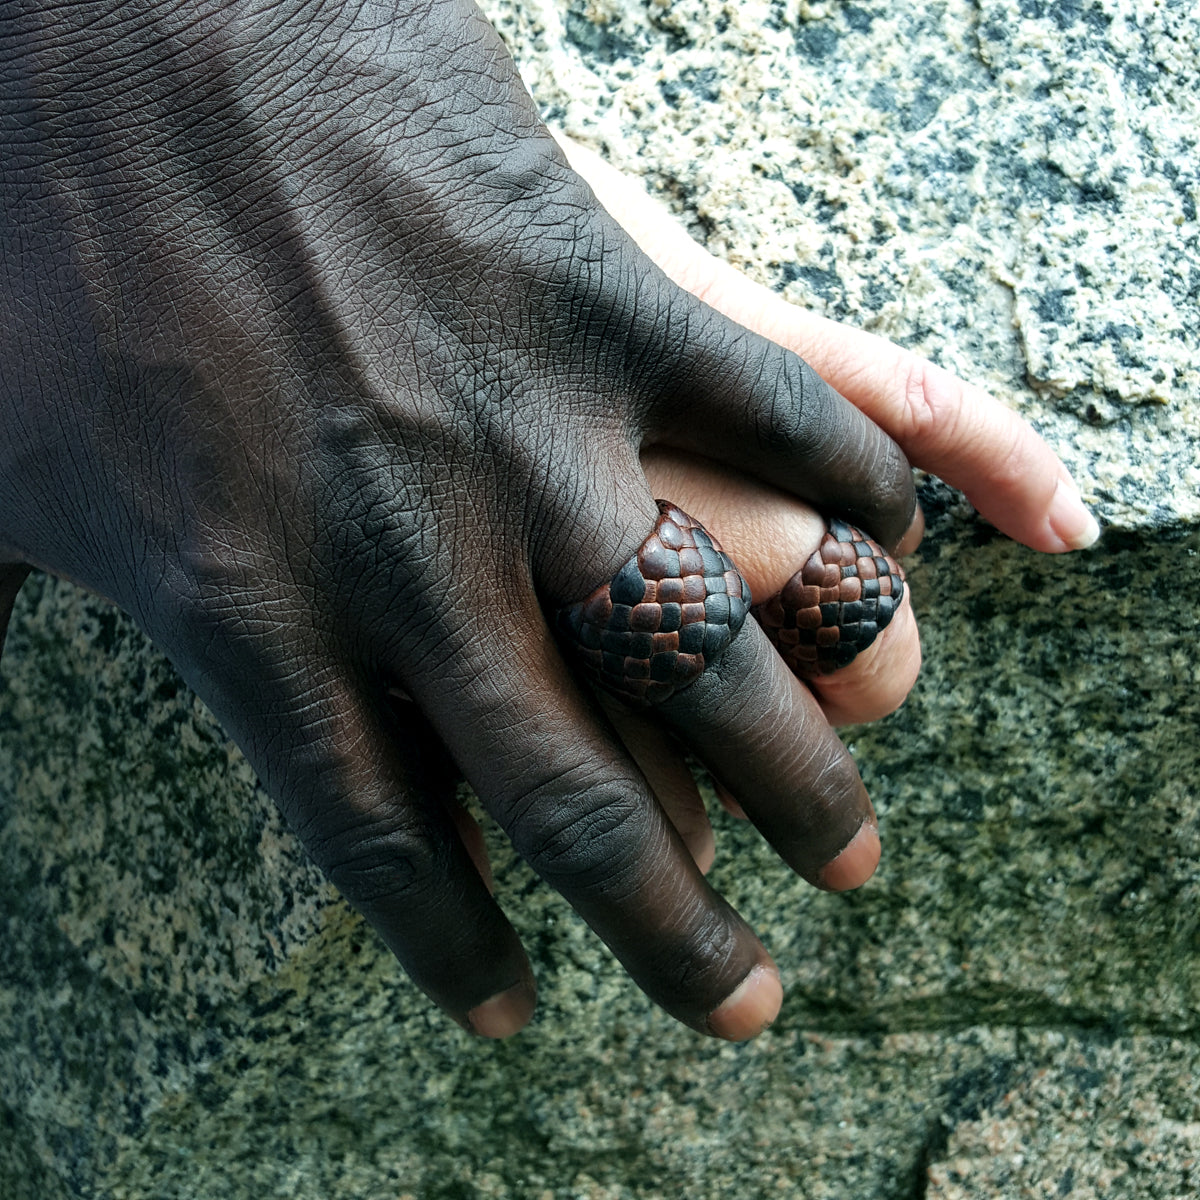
835 606
669 613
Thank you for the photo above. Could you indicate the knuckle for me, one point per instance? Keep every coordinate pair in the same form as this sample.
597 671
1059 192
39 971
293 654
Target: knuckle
694 959
1009 461
932 404
212 607
699 957
583 835
943 419
893 471
790 422
531 171
919 412
368 860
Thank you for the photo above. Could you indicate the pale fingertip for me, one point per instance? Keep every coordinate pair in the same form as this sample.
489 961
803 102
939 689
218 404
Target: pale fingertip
505 1013
879 680
751 1007
1069 519
729 802
703 849
855 864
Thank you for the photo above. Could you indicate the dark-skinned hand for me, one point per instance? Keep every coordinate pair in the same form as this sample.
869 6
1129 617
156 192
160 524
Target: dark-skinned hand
319 360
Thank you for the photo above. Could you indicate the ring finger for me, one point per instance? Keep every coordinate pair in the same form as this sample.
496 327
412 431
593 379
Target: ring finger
669 632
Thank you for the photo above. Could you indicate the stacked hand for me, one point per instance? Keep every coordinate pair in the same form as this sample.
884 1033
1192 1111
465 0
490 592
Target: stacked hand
320 361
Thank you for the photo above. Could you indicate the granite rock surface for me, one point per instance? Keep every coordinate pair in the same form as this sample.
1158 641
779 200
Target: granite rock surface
1011 1007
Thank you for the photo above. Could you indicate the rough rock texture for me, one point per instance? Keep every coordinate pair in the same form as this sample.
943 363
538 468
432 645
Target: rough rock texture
1008 185
1010 1007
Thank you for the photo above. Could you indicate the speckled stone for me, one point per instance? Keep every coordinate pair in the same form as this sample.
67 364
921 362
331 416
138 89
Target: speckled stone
1010 1007
1009 186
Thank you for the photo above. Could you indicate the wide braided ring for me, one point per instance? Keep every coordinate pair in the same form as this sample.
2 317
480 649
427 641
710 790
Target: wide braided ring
670 612
835 605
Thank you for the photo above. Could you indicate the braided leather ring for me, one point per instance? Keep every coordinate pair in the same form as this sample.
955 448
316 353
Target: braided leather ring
835 605
669 613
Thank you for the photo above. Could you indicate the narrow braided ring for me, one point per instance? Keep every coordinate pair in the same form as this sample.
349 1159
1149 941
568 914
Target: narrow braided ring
835 605
669 613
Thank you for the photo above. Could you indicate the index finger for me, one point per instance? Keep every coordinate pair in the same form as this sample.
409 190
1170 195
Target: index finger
549 769
954 429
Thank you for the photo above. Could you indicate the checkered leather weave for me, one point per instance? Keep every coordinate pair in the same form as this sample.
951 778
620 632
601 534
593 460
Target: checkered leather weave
835 605
668 613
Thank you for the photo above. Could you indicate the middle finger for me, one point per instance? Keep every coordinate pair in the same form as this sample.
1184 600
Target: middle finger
770 534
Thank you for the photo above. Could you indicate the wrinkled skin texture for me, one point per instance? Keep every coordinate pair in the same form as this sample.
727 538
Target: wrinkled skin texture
319 360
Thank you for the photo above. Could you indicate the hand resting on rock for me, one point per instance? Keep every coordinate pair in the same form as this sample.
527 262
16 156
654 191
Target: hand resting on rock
320 361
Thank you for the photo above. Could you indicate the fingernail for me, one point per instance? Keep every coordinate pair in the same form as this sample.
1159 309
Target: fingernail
751 1007
913 535
1070 519
856 863
504 1014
